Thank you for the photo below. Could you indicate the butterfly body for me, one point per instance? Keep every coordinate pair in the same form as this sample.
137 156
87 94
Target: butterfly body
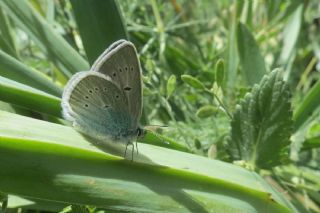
105 103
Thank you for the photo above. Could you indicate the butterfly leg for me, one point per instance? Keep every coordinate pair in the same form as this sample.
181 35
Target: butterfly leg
125 152
137 147
132 152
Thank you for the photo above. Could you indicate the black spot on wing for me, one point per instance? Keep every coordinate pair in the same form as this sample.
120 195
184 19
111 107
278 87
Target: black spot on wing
127 88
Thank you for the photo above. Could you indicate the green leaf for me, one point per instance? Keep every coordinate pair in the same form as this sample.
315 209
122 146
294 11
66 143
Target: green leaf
206 111
219 72
307 107
171 85
48 40
15 70
162 141
311 143
232 57
291 34
261 125
6 38
193 82
25 96
100 24
252 62
59 165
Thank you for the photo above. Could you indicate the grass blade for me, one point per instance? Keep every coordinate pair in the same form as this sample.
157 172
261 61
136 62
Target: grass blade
309 104
25 96
64 168
49 41
13 69
101 25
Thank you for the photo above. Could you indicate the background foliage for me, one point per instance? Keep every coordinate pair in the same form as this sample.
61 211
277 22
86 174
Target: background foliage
207 69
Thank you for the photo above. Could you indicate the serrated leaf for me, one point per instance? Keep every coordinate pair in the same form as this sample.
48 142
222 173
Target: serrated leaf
262 123
193 82
206 111
219 72
252 62
171 85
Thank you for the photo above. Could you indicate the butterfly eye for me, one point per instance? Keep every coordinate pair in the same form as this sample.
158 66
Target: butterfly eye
90 91
120 70
117 96
126 68
86 105
114 74
87 97
106 106
96 89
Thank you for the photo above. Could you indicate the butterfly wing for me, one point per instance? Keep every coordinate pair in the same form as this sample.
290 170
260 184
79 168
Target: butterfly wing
120 62
97 106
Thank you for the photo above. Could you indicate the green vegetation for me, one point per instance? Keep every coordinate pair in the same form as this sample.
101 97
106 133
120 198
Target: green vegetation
236 82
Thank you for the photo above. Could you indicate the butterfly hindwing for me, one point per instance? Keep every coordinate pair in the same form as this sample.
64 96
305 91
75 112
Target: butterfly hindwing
96 105
120 62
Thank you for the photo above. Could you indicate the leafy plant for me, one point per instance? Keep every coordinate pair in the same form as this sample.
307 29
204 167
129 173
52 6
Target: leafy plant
206 71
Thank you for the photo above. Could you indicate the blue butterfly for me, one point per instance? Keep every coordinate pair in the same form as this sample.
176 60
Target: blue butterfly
105 103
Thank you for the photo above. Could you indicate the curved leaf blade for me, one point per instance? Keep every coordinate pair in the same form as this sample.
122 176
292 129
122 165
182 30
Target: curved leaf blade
25 96
101 25
15 70
49 41
251 60
64 168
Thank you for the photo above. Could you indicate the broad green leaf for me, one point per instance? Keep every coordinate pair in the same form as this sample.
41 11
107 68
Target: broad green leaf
100 24
219 72
55 163
13 69
307 107
261 125
25 96
206 111
49 41
252 62
193 82
171 85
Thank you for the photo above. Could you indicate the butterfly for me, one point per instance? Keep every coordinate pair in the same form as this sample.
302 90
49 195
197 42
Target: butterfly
105 103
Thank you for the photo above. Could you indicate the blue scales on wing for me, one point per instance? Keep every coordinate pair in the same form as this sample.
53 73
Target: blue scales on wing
98 107
120 62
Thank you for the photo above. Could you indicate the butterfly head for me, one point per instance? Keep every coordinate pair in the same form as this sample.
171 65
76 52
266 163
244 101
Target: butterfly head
141 132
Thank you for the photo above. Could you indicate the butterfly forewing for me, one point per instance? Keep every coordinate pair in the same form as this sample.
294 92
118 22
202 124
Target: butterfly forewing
120 62
96 105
